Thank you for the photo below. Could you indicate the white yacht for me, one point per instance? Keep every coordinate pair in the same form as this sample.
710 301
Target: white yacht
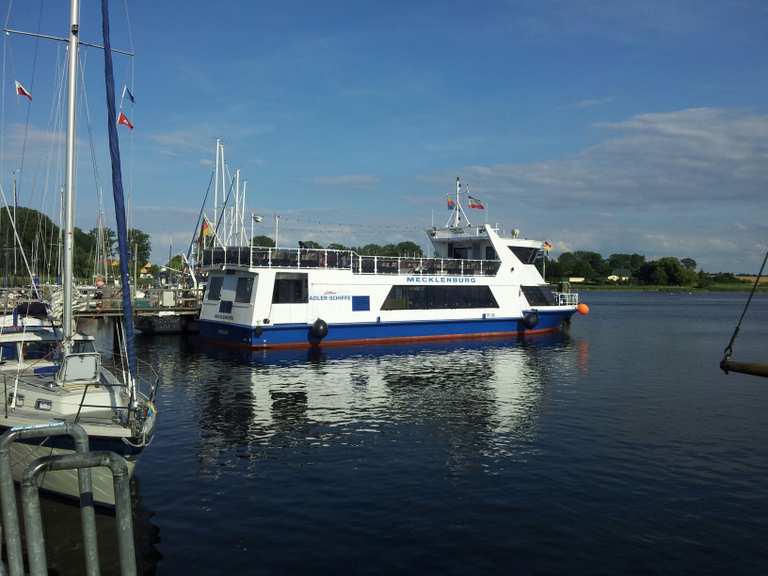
480 283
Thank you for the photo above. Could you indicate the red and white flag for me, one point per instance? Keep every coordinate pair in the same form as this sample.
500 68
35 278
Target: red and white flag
21 91
476 204
123 119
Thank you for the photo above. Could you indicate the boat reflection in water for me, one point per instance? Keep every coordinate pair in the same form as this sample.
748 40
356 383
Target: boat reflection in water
476 397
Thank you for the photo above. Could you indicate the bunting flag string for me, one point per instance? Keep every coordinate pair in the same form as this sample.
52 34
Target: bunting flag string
123 119
21 91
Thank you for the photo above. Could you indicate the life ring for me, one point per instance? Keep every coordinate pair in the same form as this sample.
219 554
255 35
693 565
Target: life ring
530 319
319 329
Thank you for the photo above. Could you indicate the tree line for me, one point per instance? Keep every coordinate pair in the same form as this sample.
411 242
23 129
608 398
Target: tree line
400 249
630 269
40 239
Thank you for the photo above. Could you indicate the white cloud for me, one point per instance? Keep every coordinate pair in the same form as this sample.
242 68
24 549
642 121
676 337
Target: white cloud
684 183
694 155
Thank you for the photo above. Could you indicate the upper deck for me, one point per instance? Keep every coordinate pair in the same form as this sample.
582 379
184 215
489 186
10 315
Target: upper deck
313 259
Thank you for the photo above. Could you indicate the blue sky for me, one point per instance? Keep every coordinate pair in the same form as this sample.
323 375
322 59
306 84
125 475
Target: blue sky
607 126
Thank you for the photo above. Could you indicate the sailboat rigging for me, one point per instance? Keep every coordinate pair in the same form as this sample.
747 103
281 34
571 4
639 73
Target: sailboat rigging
57 374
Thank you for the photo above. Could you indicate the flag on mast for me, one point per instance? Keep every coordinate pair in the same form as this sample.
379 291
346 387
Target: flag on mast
21 91
123 119
476 204
130 96
451 203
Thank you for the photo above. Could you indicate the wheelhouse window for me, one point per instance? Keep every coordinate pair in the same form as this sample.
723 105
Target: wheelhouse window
538 295
79 346
214 288
37 350
290 288
244 290
8 352
525 254
439 298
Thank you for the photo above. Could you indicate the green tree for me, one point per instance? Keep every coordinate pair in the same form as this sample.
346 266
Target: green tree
176 263
567 261
408 248
599 266
336 246
689 263
369 250
583 269
310 244
139 246
262 241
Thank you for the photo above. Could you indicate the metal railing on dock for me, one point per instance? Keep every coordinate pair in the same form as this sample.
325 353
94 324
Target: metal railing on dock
155 301
314 258
81 460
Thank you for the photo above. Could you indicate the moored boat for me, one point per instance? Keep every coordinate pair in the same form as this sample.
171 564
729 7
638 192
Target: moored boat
64 380
480 283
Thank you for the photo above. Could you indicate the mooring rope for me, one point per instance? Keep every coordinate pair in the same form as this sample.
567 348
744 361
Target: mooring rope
729 349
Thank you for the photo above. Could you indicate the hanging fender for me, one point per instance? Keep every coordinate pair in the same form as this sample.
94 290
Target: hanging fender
530 319
319 329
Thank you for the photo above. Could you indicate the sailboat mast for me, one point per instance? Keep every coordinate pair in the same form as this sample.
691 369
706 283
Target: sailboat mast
69 192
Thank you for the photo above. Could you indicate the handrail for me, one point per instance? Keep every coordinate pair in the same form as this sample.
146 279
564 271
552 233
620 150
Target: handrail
323 258
8 495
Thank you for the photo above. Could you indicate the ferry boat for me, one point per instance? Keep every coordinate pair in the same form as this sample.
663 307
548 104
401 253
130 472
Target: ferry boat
479 283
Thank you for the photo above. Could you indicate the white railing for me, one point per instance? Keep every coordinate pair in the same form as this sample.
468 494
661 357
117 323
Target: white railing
313 258
566 298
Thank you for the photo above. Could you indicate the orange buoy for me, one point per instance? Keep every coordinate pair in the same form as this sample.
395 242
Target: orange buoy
582 309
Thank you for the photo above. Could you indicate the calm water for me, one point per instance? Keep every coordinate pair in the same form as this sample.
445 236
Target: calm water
620 448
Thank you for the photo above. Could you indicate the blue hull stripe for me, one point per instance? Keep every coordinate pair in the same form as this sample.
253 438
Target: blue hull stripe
299 334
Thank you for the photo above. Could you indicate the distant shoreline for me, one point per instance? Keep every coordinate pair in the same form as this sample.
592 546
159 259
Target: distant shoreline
636 288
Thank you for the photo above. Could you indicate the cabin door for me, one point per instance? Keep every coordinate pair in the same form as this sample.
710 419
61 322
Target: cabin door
290 298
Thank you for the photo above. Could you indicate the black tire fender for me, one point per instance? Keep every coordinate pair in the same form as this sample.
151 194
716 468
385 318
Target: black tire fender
319 329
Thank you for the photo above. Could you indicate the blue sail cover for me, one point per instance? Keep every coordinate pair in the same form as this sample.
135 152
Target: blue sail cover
117 191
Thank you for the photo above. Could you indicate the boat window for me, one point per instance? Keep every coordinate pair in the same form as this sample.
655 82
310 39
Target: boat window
214 287
538 295
490 253
8 352
290 288
82 346
244 289
439 298
525 254
37 350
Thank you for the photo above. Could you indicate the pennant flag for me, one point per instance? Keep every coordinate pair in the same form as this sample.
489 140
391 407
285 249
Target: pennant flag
21 91
547 246
476 204
130 96
123 119
451 203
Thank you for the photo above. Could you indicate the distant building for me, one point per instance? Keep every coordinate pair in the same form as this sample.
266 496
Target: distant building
620 275
577 279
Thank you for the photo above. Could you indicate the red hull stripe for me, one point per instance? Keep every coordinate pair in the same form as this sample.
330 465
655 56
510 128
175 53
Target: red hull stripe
391 340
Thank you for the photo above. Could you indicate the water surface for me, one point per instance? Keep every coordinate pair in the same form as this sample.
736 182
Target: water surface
617 448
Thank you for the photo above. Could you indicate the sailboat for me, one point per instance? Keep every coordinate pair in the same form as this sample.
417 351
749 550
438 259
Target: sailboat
115 411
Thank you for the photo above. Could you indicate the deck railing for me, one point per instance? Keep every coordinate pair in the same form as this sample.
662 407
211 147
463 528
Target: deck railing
313 258
566 298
